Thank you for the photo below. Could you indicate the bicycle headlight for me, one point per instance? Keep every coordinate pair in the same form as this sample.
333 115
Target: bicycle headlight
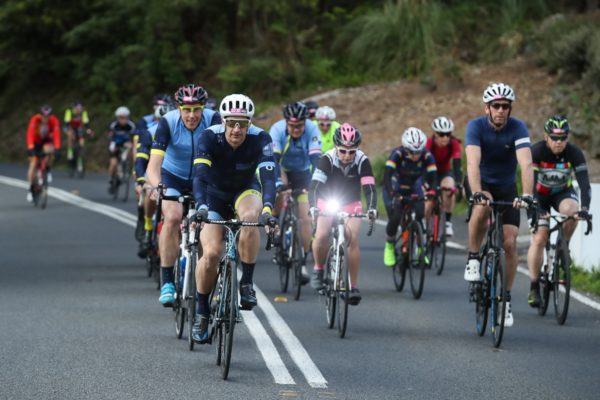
333 206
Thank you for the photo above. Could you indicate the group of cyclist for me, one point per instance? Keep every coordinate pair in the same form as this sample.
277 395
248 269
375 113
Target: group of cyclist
233 168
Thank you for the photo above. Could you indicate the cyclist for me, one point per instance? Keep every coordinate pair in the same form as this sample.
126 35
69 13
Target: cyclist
327 125
43 138
144 122
446 151
554 161
312 107
341 173
403 177
226 184
171 162
297 146
120 136
76 122
142 156
495 143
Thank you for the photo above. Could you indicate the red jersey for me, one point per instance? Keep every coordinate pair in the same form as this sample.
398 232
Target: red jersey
38 134
444 155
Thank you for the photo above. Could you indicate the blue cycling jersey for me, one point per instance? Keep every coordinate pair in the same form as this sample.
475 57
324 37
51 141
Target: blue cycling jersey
142 154
219 170
144 123
296 154
498 164
176 142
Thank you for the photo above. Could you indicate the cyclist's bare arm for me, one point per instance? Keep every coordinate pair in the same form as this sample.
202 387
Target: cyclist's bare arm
473 174
525 162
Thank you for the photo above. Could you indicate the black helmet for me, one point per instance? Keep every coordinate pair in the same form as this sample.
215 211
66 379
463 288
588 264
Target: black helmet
312 108
191 94
557 124
296 111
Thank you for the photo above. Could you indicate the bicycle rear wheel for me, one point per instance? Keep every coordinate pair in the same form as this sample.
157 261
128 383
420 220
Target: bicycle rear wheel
297 261
562 282
498 298
230 319
545 287
328 288
415 259
344 290
191 301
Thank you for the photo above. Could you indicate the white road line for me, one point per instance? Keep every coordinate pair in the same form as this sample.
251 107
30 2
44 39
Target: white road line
263 341
298 353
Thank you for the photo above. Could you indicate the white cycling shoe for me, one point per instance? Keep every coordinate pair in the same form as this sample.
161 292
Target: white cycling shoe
472 270
449 229
508 316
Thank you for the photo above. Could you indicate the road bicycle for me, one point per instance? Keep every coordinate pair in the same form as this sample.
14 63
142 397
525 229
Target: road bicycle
336 277
555 275
121 179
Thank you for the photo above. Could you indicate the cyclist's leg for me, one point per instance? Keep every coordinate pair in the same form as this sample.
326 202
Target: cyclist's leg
33 159
113 154
352 233
49 152
478 223
448 198
248 205
511 220
211 239
70 141
568 204
320 247
391 229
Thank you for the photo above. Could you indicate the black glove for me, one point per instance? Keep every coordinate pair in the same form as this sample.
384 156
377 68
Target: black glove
583 214
202 214
479 197
267 219
527 199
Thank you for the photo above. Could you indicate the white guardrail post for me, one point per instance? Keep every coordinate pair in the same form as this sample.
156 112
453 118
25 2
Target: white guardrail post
585 250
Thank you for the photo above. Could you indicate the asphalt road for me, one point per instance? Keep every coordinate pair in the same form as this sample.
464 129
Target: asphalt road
79 319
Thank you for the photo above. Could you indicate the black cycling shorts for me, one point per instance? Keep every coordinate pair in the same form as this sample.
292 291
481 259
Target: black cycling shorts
175 185
223 205
554 200
511 215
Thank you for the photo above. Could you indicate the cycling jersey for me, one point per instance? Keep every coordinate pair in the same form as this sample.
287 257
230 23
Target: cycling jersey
553 172
331 179
120 134
221 172
498 148
142 125
327 137
446 157
75 121
39 133
176 143
142 154
296 154
403 175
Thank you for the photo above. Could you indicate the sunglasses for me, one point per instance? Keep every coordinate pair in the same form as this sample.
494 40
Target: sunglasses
504 106
324 124
346 151
296 126
414 153
191 109
558 138
233 123
443 134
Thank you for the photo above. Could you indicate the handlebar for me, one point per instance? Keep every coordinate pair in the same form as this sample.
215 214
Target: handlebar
238 223
561 218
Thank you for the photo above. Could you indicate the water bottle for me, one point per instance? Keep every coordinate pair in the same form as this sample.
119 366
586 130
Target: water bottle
182 261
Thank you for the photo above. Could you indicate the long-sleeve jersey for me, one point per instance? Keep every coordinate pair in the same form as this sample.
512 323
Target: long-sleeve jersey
219 169
331 179
142 154
38 132
402 174
552 173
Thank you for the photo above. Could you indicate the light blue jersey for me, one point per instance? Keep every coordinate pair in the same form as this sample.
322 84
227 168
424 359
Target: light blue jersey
296 155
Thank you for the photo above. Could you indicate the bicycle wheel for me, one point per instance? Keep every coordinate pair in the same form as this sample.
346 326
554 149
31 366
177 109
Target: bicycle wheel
330 297
482 293
545 286
498 298
438 246
344 290
561 280
44 190
297 261
180 303
282 259
191 301
416 267
399 270
218 294
125 182
230 316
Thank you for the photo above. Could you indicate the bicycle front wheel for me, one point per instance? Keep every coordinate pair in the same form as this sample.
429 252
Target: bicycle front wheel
399 270
297 261
498 296
191 301
230 319
562 283
415 259
328 288
44 191
438 245
282 259
179 304
545 287
343 291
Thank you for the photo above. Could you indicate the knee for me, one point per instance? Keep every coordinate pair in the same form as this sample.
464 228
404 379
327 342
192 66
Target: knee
510 244
211 255
249 215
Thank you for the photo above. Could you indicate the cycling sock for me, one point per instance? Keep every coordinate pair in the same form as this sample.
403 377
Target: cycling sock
473 256
247 273
508 295
535 285
202 306
318 267
147 223
166 274
448 216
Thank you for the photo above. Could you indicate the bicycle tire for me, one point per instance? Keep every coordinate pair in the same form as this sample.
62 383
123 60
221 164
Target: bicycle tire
416 267
561 279
231 319
297 259
217 311
438 257
545 286
399 270
284 267
191 301
330 296
344 290
498 298
180 303
125 181
482 303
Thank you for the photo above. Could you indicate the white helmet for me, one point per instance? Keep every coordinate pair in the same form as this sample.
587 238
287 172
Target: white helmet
237 105
414 139
325 112
498 91
122 112
443 125
163 109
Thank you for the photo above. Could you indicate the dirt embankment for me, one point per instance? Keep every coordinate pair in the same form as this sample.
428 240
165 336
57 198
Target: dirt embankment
383 111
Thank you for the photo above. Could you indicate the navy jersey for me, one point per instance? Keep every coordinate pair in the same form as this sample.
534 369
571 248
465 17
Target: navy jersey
142 154
498 148
403 174
121 133
218 168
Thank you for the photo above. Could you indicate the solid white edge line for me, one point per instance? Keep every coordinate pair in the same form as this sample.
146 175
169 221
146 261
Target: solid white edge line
263 341
298 353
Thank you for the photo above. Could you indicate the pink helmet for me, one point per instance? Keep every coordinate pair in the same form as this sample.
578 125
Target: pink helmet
347 136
